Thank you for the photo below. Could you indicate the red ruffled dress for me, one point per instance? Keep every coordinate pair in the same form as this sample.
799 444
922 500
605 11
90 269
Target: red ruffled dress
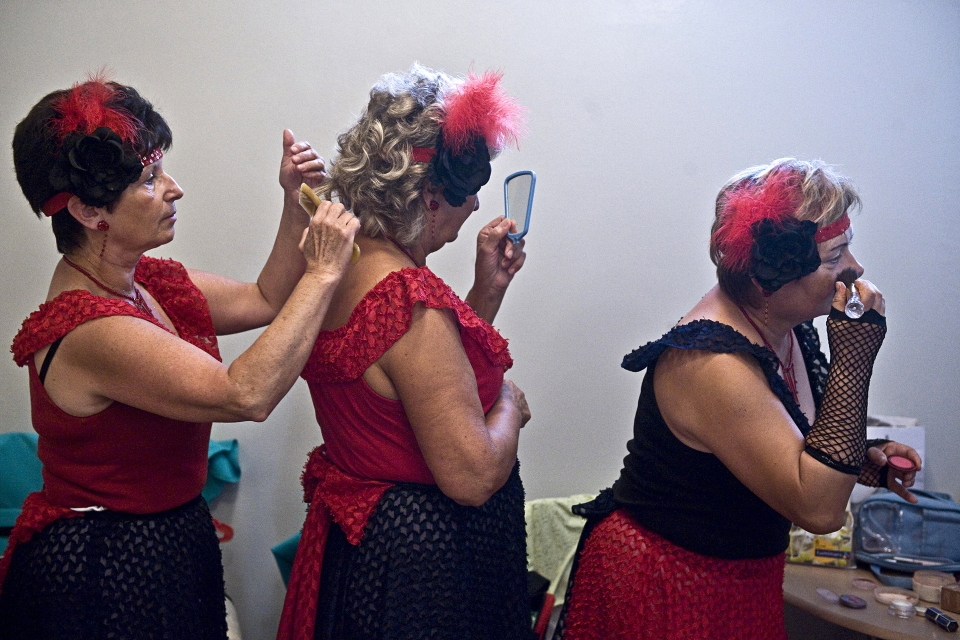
145 557
407 560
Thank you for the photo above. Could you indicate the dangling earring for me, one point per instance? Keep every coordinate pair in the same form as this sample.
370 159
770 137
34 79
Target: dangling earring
766 311
103 226
434 205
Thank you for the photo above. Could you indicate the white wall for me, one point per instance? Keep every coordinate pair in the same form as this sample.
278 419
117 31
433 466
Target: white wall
638 112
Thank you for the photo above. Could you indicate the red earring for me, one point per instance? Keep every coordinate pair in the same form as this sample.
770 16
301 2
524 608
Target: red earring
434 205
103 226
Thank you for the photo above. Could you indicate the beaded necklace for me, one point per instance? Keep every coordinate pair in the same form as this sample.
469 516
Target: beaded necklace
789 376
137 299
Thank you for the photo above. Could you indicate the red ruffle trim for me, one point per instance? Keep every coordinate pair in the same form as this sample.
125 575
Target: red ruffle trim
335 496
166 280
35 515
383 316
632 583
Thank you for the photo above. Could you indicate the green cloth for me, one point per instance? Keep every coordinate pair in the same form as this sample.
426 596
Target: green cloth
20 472
223 467
553 532
284 553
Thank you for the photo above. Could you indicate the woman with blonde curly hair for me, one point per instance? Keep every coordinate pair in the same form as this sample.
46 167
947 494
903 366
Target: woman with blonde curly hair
743 426
416 505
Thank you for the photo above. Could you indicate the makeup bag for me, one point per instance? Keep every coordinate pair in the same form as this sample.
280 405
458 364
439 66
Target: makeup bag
896 538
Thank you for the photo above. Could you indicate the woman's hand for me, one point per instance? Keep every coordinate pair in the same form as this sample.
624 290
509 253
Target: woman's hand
498 260
512 395
868 292
299 163
327 244
897 481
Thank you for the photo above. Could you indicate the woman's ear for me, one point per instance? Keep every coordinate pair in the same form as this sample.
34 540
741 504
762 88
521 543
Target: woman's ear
87 215
431 197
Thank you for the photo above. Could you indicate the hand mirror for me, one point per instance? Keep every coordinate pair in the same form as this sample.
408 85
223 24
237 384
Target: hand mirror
518 201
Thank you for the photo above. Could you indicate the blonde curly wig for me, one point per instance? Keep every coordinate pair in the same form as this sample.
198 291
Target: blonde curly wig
373 174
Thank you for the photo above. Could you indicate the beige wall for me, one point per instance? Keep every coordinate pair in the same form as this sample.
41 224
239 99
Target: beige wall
638 112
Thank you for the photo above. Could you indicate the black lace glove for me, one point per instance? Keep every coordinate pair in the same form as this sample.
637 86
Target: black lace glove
839 435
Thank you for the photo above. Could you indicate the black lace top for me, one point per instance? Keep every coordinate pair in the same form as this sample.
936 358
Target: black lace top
688 496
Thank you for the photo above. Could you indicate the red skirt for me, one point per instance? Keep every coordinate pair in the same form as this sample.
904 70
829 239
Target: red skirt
631 583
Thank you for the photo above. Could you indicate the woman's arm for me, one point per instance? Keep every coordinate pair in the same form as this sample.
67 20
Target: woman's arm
734 415
470 454
240 306
132 361
498 260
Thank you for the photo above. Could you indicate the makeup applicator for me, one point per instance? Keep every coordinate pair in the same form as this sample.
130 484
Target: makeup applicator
854 307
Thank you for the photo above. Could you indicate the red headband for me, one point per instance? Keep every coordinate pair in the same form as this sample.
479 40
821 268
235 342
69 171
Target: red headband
423 154
833 229
59 201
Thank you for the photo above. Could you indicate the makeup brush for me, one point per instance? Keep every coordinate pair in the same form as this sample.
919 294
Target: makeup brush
309 200
854 307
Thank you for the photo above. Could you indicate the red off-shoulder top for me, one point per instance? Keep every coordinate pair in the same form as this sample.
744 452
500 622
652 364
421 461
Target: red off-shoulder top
123 458
366 434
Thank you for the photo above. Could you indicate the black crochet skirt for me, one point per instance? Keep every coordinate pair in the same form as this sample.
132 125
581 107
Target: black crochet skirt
428 567
118 575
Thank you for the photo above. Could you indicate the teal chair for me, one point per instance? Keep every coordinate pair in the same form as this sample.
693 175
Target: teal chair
20 473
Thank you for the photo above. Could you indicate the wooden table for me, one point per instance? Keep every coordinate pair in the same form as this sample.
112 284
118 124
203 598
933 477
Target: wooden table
799 589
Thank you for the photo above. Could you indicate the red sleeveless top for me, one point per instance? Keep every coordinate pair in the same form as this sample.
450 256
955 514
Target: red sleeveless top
366 434
123 458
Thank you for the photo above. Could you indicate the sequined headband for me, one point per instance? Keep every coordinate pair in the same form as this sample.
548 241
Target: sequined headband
833 229
59 201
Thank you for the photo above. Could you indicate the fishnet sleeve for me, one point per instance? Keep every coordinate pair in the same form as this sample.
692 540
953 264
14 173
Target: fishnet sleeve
839 434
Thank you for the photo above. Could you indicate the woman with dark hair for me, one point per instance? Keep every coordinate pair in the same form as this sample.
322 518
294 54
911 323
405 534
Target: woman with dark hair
743 426
416 504
126 376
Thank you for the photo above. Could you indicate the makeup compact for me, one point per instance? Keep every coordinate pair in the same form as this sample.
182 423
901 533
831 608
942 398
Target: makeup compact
900 463
853 602
828 595
928 584
901 609
866 584
886 595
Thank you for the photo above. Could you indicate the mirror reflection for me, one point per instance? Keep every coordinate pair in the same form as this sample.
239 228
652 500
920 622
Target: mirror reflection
518 191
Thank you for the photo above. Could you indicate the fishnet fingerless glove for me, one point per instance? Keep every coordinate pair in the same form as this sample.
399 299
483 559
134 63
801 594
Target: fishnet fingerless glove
839 434
873 475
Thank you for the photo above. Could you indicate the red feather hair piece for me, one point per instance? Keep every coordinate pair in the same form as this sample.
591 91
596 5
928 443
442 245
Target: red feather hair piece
87 107
479 107
776 199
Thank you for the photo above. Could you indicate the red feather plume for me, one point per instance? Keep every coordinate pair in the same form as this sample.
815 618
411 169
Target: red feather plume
776 199
86 107
479 107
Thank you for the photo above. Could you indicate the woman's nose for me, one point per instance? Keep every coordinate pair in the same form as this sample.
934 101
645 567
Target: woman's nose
856 265
174 192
